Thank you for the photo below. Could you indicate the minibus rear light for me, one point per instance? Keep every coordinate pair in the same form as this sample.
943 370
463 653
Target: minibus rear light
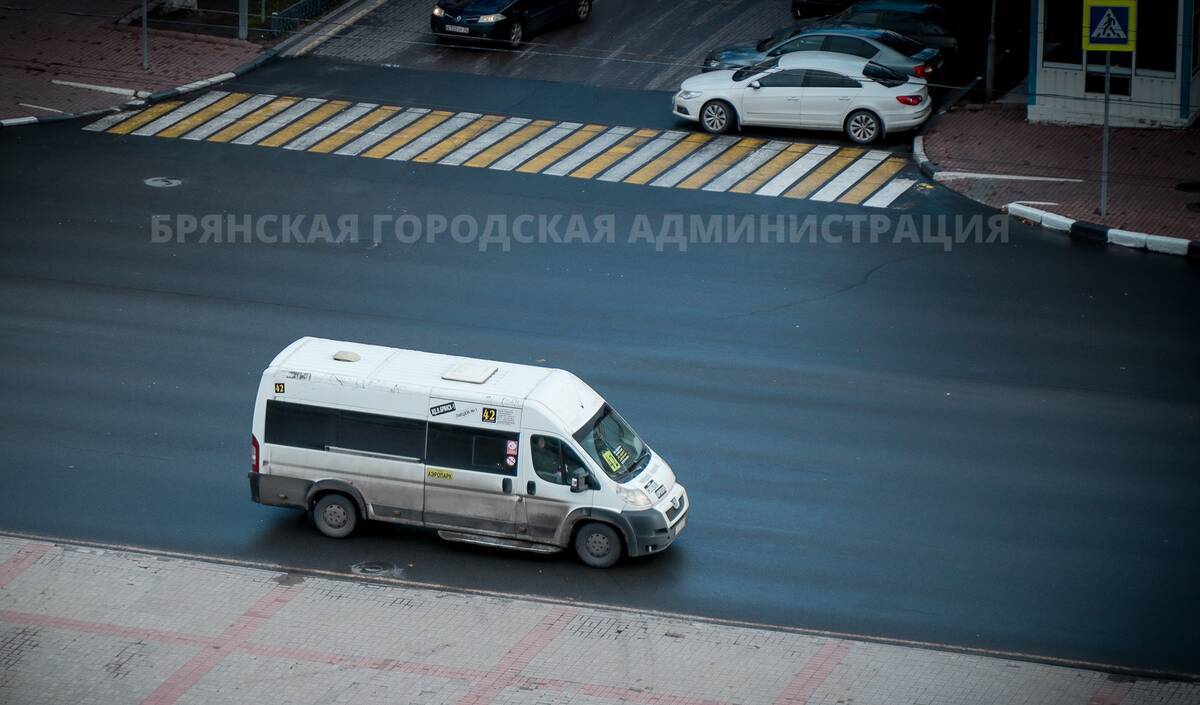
253 453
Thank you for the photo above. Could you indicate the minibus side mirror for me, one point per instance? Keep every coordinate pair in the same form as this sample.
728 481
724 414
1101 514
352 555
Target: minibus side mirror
580 480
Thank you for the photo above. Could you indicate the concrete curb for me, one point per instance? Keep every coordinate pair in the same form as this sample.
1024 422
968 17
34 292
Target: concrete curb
148 98
1104 235
928 168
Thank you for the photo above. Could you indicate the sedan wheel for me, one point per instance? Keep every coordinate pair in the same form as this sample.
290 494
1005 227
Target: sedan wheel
516 35
716 117
863 127
583 10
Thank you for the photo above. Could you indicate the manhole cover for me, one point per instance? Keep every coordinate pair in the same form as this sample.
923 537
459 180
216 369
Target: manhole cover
1189 186
162 182
372 568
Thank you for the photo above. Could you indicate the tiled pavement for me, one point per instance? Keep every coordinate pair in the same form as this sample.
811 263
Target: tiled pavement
1145 166
644 157
88 625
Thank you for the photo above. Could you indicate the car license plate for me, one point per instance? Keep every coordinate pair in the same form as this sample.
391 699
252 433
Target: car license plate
456 28
679 527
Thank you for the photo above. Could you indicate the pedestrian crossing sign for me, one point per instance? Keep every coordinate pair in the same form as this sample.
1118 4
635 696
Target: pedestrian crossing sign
1109 25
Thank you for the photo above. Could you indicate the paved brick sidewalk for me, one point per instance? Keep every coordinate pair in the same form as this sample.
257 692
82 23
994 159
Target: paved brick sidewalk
1145 166
79 41
83 625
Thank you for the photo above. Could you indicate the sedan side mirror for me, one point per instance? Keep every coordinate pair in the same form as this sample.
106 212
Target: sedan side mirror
579 480
755 85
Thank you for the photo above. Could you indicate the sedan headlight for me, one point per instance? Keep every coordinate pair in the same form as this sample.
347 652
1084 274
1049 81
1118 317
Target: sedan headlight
634 497
491 19
438 11
689 95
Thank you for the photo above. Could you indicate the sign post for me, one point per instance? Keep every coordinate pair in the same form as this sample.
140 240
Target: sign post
1108 26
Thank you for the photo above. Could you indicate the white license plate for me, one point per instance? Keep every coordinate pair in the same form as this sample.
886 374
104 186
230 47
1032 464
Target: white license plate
456 28
679 527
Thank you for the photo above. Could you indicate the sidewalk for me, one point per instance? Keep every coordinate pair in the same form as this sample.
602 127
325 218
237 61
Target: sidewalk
79 41
1145 165
85 625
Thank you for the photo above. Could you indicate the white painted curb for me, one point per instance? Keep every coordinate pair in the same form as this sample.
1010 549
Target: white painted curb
1112 236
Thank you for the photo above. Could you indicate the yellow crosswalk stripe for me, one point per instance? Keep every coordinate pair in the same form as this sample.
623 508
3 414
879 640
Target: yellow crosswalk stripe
253 120
146 116
562 149
614 154
768 171
304 124
514 141
667 159
718 166
458 139
881 173
840 159
408 134
197 119
353 130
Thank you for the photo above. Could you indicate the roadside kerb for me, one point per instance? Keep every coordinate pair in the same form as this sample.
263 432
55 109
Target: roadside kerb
1101 234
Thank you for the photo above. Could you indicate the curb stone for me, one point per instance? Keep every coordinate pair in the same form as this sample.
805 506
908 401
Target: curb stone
1104 235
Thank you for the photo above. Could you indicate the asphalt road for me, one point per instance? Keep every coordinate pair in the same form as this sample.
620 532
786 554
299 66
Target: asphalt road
992 447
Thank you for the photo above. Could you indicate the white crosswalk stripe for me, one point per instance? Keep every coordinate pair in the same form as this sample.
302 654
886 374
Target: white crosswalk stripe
330 126
229 117
890 192
704 155
796 170
482 142
381 131
746 166
602 142
639 158
543 141
277 122
851 174
109 121
183 111
437 134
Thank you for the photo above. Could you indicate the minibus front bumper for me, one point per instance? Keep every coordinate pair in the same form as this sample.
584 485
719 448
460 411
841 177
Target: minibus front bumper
652 530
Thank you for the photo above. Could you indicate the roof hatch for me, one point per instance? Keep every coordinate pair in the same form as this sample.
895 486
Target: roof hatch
472 372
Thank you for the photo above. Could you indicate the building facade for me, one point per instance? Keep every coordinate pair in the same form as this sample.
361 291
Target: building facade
1158 85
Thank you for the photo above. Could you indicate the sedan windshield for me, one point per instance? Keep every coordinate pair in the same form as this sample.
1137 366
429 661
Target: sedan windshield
613 444
743 73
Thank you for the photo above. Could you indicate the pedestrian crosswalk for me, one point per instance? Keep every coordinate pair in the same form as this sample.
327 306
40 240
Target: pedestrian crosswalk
611 153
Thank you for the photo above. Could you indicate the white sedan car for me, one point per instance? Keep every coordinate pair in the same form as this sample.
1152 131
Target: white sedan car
814 90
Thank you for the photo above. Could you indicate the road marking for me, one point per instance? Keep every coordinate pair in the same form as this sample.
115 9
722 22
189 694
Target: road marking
702 156
717 166
561 148
108 121
426 123
345 127
613 154
253 120
886 170
229 117
843 181
831 166
755 181
374 135
179 113
196 119
482 142
277 121
146 116
432 137
557 136
309 122
684 147
745 167
650 150
587 151
957 175
459 139
489 156
797 169
884 197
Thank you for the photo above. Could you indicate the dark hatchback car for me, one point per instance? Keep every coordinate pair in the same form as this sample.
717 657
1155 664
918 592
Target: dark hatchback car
883 46
925 22
804 9
508 21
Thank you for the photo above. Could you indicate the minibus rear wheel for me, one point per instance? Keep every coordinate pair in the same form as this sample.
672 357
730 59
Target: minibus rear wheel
335 515
598 545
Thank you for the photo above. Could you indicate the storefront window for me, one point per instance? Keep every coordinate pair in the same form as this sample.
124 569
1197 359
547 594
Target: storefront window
1062 40
1158 36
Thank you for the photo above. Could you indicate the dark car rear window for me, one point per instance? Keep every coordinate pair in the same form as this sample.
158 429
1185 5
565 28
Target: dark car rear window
883 75
743 73
900 43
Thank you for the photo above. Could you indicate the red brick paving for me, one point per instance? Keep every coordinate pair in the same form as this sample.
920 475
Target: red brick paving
1144 167
81 42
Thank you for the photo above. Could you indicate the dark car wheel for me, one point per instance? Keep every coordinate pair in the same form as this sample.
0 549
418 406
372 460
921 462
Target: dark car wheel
583 10
863 127
598 545
335 515
516 35
716 117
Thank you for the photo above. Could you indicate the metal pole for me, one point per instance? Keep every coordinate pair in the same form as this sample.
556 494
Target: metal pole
1104 147
243 18
145 36
262 12
991 55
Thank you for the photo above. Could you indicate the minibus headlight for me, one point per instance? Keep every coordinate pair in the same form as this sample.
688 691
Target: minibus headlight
634 497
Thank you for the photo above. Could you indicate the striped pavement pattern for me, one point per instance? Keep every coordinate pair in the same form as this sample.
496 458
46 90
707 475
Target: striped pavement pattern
617 154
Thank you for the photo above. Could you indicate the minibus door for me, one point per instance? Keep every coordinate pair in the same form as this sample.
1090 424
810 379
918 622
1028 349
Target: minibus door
546 468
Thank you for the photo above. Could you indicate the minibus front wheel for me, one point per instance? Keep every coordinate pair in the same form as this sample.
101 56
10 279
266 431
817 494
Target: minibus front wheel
598 545
335 515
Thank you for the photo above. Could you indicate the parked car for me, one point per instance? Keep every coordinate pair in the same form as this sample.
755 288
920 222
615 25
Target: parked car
804 9
507 21
927 23
814 90
882 46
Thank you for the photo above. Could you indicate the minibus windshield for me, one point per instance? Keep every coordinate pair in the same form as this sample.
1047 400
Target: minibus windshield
613 444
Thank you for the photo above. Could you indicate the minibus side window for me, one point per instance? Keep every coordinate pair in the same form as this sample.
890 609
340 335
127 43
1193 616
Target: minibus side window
300 425
554 461
390 435
470 448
